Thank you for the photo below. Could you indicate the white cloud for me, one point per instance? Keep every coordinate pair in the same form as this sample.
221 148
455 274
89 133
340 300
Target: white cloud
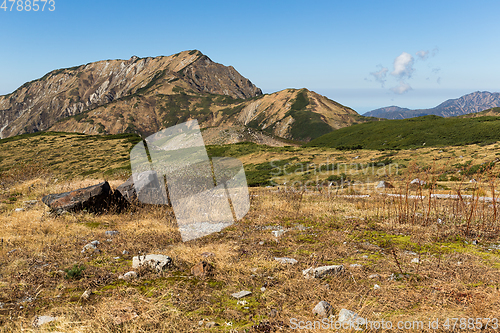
403 66
423 55
380 75
401 88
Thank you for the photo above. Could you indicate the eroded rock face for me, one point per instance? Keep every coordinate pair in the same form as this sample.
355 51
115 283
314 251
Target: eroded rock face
96 198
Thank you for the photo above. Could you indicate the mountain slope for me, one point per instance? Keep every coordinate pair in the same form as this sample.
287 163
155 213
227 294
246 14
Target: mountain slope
145 95
413 133
470 103
290 114
38 104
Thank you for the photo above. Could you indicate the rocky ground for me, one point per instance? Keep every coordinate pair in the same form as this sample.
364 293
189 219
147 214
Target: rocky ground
296 259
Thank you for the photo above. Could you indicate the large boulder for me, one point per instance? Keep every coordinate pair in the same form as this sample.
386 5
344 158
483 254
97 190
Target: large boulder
96 198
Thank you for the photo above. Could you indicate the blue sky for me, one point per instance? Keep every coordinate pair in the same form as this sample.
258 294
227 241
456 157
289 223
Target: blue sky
363 54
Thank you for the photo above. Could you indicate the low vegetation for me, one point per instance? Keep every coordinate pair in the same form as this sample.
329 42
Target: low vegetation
430 258
418 132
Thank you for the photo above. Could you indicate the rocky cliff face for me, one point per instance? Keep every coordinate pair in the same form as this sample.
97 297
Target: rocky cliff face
470 103
37 105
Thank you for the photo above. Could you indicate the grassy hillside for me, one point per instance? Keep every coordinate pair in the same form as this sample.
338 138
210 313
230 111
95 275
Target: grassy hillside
68 155
407 257
412 133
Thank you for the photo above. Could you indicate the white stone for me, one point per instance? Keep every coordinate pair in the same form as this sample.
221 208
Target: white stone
322 309
348 316
323 271
129 276
42 320
286 260
241 294
417 181
157 262
278 233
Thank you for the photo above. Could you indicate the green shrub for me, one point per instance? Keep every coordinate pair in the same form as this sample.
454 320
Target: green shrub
75 272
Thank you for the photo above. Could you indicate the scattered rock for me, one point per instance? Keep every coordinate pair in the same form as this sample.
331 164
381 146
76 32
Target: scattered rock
263 289
417 182
211 324
86 295
374 276
241 294
278 233
92 247
125 252
19 210
323 271
42 320
415 261
128 276
96 198
286 260
384 184
207 254
376 287
157 262
355 266
348 316
30 203
322 309
202 269
111 233
261 243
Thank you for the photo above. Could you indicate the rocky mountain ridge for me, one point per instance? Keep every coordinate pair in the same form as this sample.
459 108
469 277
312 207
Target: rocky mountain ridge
471 103
144 95
38 104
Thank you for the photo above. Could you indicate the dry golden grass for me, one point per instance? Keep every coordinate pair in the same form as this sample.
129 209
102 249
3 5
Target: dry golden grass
453 279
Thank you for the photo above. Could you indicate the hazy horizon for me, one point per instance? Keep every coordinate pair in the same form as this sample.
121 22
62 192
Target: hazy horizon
363 55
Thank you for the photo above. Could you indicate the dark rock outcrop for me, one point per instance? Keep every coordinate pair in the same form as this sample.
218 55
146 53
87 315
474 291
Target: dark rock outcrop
96 198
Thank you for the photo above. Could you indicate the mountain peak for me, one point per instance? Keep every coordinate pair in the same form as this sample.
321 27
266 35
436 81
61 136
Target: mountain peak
37 105
470 103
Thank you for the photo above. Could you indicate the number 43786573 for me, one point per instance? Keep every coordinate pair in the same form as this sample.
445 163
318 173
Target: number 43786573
28 5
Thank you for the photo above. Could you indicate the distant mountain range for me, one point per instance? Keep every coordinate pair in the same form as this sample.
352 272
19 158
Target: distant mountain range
471 103
145 95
